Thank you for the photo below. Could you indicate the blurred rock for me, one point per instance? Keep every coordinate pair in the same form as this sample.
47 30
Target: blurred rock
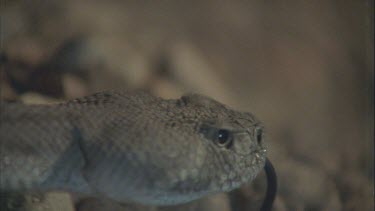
189 68
165 87
36 98
94 204
114 65
53 201
218 202
74 87
307 187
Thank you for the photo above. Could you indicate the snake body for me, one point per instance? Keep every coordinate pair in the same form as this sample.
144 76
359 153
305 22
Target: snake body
130 147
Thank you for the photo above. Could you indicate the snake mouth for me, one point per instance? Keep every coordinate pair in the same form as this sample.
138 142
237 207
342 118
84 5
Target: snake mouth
258 154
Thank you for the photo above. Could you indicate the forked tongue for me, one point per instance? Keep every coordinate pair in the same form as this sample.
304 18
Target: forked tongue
271 186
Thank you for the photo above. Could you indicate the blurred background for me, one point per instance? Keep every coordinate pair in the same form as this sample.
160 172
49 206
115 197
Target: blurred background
304 68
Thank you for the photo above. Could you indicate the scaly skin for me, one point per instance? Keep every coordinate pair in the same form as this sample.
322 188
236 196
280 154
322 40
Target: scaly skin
130 147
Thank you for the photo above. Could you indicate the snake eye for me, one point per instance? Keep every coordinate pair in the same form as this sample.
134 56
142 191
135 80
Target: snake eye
224 138
220 137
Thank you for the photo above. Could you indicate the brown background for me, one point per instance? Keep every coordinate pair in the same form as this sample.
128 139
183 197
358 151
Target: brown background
305 68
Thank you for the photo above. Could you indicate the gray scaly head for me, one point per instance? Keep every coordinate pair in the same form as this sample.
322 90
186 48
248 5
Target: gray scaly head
184 149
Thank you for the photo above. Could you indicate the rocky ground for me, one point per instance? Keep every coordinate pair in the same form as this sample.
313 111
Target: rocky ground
304 68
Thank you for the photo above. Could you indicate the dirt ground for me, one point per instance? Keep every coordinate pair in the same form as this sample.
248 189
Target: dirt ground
304 68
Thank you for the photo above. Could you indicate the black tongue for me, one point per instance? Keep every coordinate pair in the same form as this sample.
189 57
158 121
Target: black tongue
271 186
